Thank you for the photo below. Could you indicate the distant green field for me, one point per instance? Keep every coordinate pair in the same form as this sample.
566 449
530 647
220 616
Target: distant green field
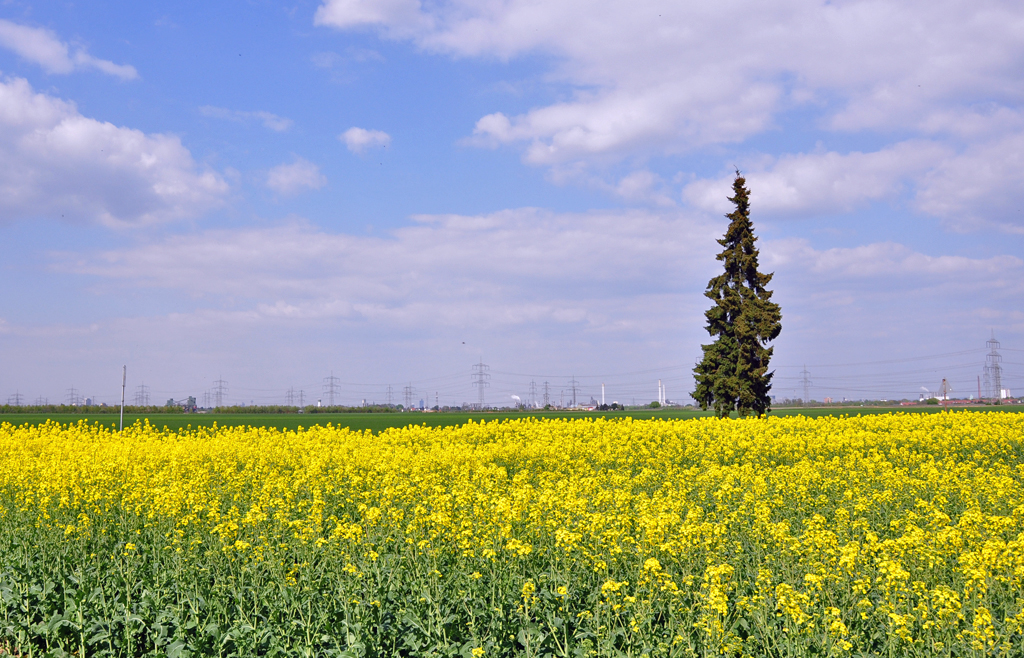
378 422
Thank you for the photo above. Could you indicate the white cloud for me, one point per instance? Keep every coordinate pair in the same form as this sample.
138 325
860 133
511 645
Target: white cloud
979 186
983 186
523 267
643 186
662 118
435 271
670 76
973 122
889 260
358 140
57 162
271 121
822 182
887 301
596 288
42 47
298 176
401 16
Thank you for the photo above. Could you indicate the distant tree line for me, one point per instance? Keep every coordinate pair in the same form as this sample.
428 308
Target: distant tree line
179 408
312 409
174 407
85 409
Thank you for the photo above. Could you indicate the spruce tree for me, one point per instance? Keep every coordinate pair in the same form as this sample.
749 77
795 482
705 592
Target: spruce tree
733 375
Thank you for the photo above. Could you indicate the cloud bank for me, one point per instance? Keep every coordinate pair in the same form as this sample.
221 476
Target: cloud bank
890 65
544 291
674 78
981 186
522 266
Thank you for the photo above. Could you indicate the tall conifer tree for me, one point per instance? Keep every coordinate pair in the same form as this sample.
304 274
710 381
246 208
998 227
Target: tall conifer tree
733 375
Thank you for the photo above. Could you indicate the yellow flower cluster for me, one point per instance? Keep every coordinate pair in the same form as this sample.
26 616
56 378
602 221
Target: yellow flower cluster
895 534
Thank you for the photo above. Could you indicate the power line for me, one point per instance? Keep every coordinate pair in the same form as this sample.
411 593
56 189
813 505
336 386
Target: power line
993 369
220 391
141 395
15 400
688 368
890 378
679 377
890 361
804 379
407 392
903 373
480 379
331 388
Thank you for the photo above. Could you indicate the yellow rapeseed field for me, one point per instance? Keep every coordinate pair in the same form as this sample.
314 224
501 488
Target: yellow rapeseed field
897 535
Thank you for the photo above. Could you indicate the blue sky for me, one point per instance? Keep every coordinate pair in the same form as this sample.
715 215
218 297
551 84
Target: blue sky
393 190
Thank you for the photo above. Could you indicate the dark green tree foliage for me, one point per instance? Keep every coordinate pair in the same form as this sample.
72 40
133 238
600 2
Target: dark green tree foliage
733 375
